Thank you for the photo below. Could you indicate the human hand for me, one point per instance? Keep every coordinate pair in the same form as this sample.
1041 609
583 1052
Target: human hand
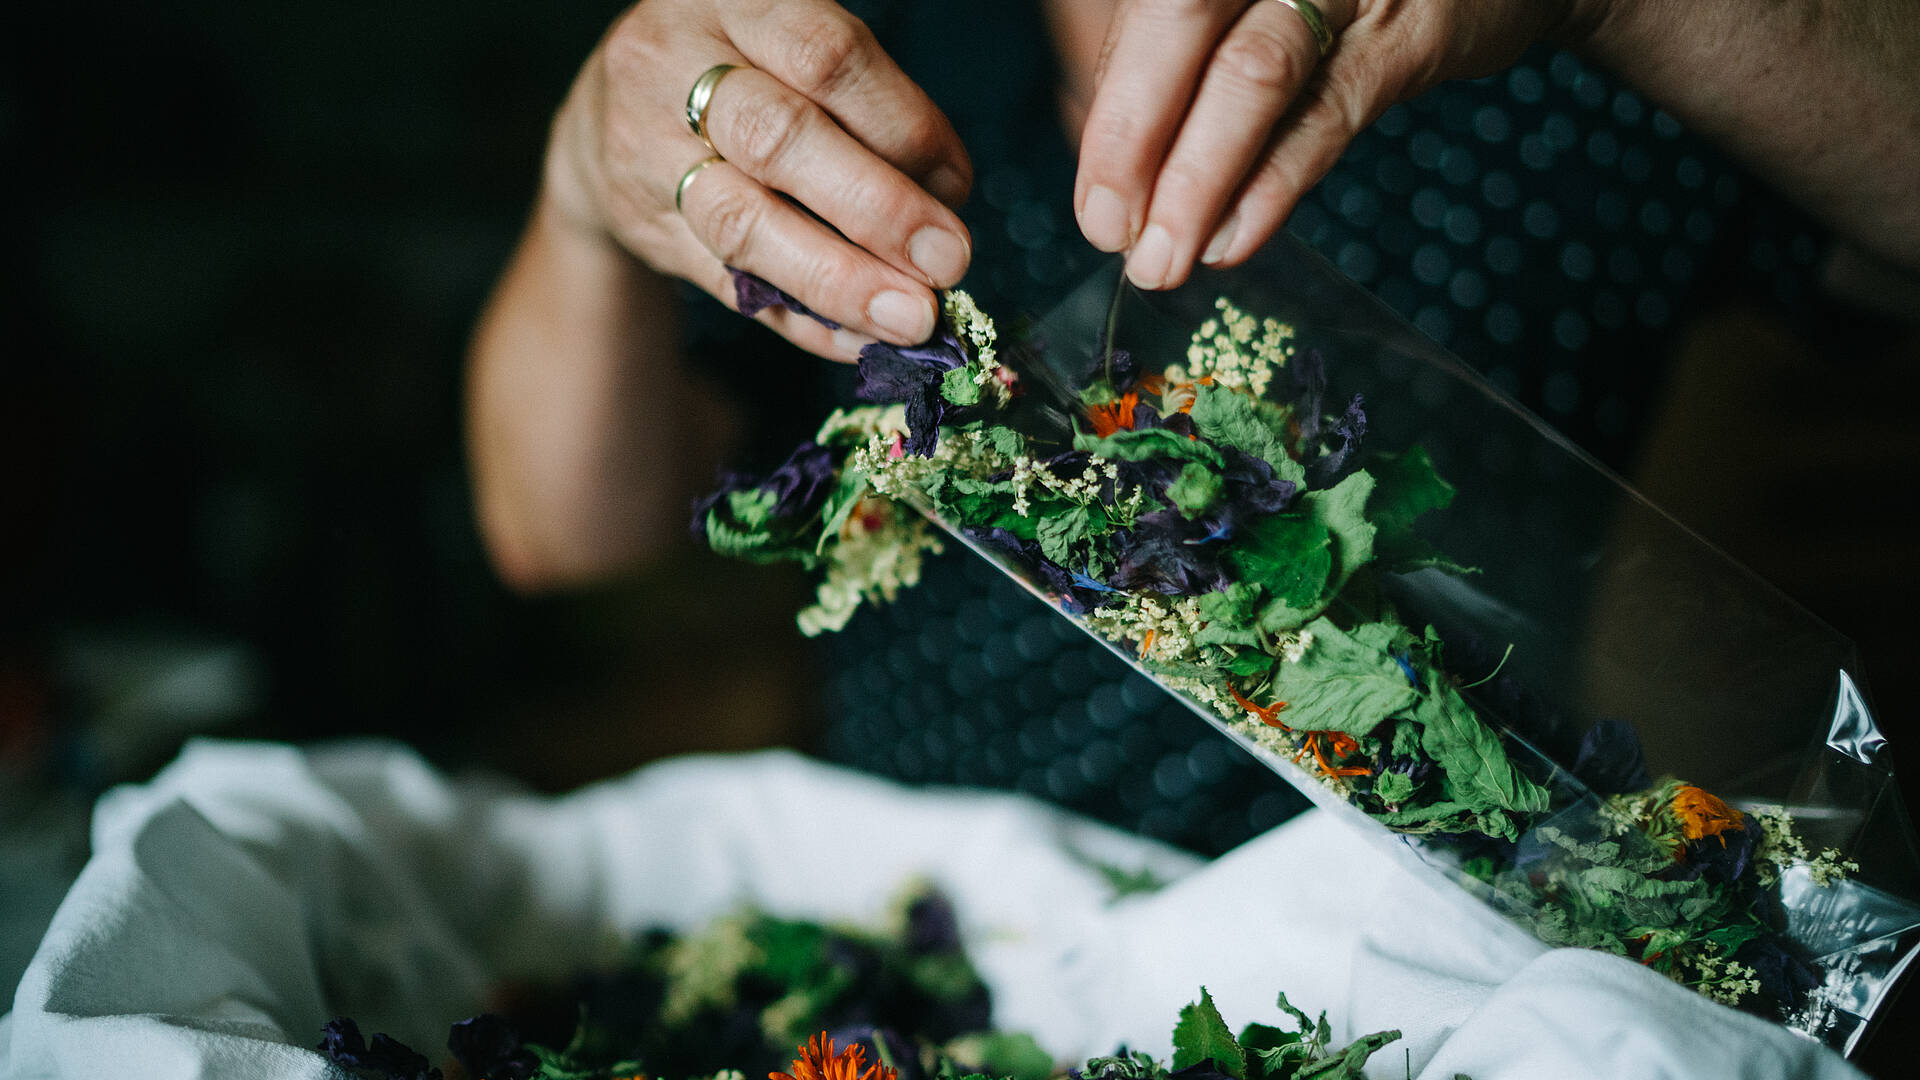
1212 118
831 152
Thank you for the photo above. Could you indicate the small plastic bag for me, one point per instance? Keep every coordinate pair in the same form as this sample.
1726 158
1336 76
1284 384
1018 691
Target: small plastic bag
1717 803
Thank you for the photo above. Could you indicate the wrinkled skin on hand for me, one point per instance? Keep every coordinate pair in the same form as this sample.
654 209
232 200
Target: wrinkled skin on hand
1208 120
815 114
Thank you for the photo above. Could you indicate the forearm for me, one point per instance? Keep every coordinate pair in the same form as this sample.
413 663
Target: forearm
1819 97
583 430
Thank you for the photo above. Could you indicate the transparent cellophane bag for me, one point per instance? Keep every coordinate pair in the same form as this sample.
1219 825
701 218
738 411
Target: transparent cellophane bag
1601 618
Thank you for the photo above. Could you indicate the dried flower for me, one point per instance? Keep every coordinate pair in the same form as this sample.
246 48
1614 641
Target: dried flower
1702 814
752 295
819 1061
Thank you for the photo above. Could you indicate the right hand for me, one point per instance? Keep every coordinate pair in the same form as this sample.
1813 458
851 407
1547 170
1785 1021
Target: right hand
816 112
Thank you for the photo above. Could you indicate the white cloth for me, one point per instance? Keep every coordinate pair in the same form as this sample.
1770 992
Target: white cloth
250 893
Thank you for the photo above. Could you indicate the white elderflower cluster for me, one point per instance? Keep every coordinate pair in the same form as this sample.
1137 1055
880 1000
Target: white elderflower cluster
1780 847
1204 692
862 423
700 971
880 552
1236 350
1293 644
976 328
1725 981
1160 630
897 475
1029 472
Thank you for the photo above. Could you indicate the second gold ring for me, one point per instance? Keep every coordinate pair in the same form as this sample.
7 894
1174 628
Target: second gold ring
700 97
686 180
1316 21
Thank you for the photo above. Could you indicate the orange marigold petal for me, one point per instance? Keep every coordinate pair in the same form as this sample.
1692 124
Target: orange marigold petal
1703 814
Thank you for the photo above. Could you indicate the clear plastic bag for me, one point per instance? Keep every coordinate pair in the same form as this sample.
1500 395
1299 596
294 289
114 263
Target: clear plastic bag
1593 621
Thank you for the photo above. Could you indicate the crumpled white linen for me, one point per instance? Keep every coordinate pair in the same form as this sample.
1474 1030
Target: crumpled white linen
251 892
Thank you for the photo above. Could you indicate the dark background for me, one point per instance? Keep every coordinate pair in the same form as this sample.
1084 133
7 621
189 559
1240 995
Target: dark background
244 245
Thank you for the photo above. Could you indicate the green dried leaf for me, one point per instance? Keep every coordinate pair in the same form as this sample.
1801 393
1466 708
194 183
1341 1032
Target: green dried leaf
1248 424
1060 533
958 387
1289 555
1201 1035
1197 489
1406 486
1477 771
1344 681
1343 510
846 494
1147 443
1013 1055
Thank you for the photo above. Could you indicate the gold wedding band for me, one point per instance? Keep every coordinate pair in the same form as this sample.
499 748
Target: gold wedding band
700 97
1316 21
686 179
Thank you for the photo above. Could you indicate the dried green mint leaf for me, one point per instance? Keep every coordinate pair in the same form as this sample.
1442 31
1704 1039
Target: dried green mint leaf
1248 424
1195 490
1147 443
1343 510
1288 554
1201 1035
1344 681
958 387
1060 533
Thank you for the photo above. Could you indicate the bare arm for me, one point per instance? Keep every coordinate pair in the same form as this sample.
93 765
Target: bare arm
586 436
582 426
1819 97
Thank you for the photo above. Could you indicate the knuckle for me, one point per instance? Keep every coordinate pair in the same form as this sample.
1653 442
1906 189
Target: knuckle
923 135
825 53
630 53
765 128
1260 60
1183 9
1193 180
732 216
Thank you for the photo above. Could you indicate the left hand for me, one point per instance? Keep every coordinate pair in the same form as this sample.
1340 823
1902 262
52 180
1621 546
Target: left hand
1211 118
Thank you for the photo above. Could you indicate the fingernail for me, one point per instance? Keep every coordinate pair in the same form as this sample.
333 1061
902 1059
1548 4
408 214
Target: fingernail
1222 240
941 255
948 184
1151 259
909 318
1103 218
848 343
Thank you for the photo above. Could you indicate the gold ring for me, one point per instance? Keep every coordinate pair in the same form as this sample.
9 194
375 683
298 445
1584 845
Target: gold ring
686 179
1316 21
700 97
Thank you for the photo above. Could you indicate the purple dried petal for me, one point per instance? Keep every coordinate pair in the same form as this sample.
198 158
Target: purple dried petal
800 485
752 295
1610 760
386 1059
912 374
1350 429
1078 593
486 1046
1168 554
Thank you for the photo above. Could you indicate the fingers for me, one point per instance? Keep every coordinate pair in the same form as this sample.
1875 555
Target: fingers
1204 109
1256 72
1153 61
832 59
1355 87
700 267
743 224
783 140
